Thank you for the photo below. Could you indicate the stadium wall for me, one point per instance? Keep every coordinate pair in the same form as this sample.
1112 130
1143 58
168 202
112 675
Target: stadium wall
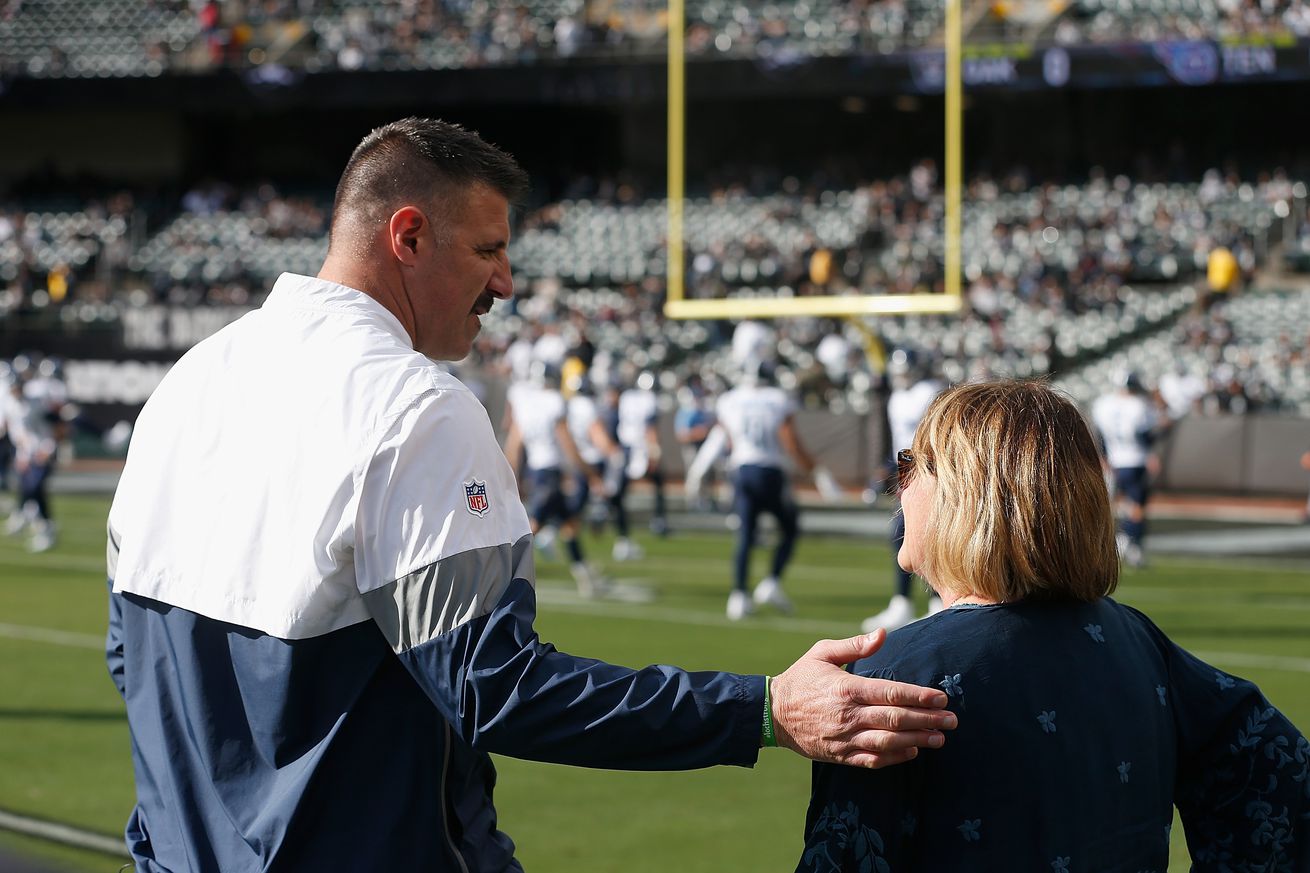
1251 455
127 146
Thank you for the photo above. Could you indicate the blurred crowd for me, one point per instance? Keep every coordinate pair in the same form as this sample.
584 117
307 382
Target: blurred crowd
1219 372
1055 274
1107 21
281 38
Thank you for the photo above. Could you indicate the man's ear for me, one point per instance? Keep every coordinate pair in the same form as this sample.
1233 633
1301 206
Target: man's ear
405 230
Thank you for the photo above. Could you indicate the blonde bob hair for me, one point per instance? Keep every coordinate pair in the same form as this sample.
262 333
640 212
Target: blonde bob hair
1020 508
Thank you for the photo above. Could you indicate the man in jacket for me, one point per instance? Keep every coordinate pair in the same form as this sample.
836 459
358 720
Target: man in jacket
320 644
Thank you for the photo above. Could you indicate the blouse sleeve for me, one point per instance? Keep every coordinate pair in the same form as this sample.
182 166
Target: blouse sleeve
1243 788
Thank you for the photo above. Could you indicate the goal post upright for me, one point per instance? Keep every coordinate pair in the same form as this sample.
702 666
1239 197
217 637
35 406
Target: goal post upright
954 147
677 149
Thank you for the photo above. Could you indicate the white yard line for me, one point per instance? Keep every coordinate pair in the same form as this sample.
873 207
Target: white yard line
560 599
1129 592
62 833
1252 541
566 600
876 570
54 637
1266 662
54 562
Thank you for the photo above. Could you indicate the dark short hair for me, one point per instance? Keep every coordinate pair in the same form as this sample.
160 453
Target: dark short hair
421 161
1020 509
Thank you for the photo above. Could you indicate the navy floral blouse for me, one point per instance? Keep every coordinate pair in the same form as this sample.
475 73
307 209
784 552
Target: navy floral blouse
1081 727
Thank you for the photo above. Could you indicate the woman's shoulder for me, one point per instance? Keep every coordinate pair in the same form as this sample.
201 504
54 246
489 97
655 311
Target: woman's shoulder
961 635
947 637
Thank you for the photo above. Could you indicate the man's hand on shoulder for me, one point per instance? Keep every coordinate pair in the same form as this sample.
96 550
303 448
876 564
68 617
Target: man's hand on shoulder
824 713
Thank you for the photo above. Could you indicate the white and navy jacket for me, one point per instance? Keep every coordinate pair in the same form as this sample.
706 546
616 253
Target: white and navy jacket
322 613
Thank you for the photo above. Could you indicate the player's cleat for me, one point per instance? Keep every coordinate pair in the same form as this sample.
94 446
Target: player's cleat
43 538
659 525
17 522
545 543
898 614
739 605
591 584
732 521
770 592
1134 556
626 550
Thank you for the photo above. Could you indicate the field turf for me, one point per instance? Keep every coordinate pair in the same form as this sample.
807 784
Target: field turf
63 735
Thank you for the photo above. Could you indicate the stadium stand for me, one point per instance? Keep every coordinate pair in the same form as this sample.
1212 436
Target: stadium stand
1059 275
885 234
146 38
1124 20
1247 355
48 239
213 240
90 38
150 37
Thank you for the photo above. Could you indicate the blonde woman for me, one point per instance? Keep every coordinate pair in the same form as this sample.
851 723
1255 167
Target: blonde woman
1081 724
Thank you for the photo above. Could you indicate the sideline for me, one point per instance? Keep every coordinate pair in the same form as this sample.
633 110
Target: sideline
54 637
64 834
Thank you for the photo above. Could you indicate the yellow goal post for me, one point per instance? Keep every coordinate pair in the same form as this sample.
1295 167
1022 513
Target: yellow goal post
853 306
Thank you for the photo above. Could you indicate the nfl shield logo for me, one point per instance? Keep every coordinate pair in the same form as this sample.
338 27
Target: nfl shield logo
475 496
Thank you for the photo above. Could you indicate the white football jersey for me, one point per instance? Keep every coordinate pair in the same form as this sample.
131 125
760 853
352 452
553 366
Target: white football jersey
537 411
1125 422
752 415
638 409
582 413
46 392
28 427
905 409
8 408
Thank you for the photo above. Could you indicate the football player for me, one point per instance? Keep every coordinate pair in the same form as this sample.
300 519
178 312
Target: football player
913 389
757 422
600 453
31 427
538 426
1128 423
638 434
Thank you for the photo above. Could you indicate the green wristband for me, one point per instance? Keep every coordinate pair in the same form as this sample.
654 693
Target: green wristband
770 739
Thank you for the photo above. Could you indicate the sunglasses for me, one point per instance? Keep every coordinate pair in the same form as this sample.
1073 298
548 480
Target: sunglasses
905 466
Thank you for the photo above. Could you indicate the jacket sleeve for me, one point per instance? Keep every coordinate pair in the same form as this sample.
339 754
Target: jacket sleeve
1243 787
114 641
444 559
505 690
114 634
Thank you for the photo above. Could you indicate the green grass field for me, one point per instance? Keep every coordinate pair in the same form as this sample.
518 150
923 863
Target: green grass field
63 735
